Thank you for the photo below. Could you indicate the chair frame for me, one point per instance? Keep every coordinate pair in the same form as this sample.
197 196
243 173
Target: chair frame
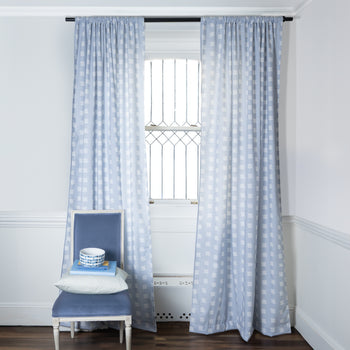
123 319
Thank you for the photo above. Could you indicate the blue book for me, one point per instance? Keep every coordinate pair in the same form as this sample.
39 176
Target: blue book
108 268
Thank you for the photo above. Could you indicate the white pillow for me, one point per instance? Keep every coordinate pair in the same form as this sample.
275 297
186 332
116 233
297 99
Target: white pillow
93 284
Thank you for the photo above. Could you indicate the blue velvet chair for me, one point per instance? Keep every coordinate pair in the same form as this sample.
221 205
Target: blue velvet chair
103 229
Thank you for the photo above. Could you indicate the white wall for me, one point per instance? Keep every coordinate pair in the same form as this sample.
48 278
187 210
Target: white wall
36 79
30 260
287 119
36 70
321 228
323 123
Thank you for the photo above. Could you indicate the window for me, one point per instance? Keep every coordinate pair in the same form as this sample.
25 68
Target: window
173 222
172 127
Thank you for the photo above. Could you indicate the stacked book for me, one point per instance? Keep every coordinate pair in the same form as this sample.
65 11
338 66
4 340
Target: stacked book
108 268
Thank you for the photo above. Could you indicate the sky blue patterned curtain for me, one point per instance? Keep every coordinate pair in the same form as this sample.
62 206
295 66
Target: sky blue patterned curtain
239 277
108 161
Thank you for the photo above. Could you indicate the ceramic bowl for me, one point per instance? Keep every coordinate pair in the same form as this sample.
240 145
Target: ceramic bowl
92 257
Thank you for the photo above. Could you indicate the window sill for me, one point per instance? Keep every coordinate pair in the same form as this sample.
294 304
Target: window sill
173 202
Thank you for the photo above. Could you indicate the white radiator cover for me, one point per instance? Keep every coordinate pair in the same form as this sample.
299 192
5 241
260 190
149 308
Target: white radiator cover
173 298
173 227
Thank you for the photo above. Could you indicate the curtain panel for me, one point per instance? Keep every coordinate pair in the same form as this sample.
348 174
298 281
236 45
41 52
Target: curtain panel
108 159
239 273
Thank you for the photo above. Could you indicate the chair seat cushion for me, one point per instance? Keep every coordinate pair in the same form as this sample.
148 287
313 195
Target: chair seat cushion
85 305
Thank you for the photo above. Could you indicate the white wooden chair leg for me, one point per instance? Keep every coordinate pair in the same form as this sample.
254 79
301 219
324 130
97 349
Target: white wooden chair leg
72 326
121 331
56 333
128 333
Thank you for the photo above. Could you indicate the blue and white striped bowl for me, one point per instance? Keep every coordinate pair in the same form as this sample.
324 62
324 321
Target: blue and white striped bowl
92 257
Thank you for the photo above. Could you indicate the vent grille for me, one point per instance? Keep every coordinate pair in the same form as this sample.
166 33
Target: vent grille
185 317
173 298
166 317
172 281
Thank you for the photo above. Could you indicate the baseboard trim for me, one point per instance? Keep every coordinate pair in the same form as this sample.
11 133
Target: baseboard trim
312 333
334 236
25 314
39 314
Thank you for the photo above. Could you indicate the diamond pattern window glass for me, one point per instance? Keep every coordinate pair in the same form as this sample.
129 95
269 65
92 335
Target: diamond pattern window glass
172 127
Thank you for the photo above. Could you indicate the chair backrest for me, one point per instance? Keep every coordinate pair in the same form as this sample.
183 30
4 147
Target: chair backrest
100 229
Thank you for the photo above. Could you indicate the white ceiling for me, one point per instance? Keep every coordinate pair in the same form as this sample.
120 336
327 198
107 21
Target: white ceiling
151 7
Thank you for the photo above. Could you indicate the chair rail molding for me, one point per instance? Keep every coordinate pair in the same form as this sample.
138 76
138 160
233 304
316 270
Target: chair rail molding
337 237
31 219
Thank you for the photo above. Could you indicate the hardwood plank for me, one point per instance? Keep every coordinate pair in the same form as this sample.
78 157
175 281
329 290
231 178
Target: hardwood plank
170 335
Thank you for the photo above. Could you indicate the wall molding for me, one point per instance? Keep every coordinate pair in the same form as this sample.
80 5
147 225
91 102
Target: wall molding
334 236
62 11
25 314
29 219
26 219
299 9
313 334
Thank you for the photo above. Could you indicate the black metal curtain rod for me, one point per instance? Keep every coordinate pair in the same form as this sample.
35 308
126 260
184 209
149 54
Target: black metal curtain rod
175 19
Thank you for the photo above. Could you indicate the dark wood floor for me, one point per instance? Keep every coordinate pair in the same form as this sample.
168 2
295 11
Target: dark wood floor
173 335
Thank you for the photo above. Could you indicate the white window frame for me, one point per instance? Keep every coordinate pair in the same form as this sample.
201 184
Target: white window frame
172 40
